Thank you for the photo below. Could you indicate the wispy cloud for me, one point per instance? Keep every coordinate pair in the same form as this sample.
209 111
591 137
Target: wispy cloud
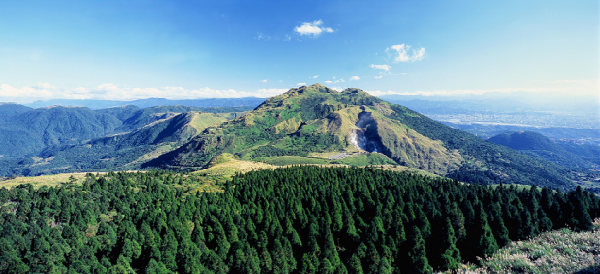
109 91
264 81
383 67
379 77
301 84
313 29
354 78
403 54
262 36
335 81
316 76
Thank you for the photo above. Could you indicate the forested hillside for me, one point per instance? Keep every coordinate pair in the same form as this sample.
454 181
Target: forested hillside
292 220
123 151
25 131
538 145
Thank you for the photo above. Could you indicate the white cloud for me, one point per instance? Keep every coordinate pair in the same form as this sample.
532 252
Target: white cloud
354 78
264 81
109 91
264 93
379 77
404 55
313 29
383 67
316 76
336 81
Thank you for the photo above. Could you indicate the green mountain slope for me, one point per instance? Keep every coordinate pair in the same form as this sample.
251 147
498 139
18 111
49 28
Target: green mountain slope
26 131
315 121
37 129
8 110
119 151
538 145
587 152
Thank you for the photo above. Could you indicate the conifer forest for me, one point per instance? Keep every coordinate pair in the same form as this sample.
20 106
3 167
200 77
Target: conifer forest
301 219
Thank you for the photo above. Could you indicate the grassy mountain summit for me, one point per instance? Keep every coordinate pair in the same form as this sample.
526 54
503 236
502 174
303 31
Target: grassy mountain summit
314 123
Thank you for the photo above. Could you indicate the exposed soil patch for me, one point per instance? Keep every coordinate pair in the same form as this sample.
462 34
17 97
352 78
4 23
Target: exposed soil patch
366 138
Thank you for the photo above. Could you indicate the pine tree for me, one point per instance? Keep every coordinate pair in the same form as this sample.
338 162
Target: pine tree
451 255
354 265
280 260
417 254
487 243
582 218
497 225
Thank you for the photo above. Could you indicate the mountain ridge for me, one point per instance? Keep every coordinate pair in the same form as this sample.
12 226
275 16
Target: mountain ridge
315 119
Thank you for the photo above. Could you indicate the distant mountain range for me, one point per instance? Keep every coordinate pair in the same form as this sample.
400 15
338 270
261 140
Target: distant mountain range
432 106
249 102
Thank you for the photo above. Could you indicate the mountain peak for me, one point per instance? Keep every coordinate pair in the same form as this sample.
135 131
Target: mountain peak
317 86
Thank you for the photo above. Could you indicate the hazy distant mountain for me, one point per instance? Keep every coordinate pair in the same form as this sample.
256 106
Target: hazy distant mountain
488 130
429 106
10 109
250 102
497 101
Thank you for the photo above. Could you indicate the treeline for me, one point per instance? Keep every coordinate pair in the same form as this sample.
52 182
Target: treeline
294 220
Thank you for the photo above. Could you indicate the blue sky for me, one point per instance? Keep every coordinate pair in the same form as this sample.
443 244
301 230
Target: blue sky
122 50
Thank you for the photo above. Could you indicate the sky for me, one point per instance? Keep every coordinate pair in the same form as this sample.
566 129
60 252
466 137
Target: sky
126 50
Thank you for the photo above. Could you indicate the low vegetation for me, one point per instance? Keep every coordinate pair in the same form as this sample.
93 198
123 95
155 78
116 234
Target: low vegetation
559 251
44 180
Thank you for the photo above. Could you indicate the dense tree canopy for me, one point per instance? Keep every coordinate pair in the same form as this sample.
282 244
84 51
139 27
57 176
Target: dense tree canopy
294 220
